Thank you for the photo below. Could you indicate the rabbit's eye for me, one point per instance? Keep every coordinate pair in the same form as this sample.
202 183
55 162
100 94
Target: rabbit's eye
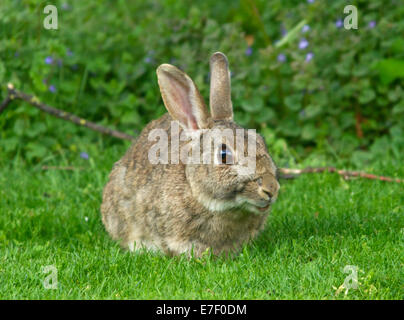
225 155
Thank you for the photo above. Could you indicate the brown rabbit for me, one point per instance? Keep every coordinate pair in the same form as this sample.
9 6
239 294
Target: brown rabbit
190 207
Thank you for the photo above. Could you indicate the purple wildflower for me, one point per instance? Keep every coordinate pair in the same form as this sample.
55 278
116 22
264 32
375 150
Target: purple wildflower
69 52
16 54
303 44
49 60
147 59
84 155
52 88
372 24
339 23
305 28
310 1
281 57
248 51
309 56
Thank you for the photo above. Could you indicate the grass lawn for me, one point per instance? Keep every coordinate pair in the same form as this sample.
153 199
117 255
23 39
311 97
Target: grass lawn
319 225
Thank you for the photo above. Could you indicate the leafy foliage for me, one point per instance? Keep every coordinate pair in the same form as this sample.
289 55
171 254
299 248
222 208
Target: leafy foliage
298 76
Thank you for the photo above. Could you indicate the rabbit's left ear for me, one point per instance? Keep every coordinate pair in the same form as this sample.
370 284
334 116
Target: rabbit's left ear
221 107
182 98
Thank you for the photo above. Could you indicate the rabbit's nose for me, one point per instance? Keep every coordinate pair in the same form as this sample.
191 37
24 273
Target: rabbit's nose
269 187
267 192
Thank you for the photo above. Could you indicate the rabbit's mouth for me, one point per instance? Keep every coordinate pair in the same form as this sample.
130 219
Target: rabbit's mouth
263 209
240 202
257 208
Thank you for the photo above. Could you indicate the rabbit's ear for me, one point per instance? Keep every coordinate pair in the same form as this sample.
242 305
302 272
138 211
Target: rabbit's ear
221 107
182 98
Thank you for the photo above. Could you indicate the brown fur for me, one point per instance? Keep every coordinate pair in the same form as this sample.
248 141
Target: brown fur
180 208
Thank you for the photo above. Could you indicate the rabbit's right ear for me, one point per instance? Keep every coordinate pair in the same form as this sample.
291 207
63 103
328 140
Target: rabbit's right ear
182 98
221 106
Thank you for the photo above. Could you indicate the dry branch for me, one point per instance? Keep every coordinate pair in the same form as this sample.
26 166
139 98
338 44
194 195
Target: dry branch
345 173
34 101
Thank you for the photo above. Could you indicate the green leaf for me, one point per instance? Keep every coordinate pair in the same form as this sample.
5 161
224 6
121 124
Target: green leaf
19 127
10 144
366 96
312 110
253 104
390 69
36 129
309 131
294 102
398 108
289 128
36 150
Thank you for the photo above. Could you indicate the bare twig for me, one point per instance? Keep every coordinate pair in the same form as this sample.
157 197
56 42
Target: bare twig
345 173
34 101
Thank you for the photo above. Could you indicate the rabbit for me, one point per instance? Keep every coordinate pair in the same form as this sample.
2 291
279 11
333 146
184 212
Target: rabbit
178 208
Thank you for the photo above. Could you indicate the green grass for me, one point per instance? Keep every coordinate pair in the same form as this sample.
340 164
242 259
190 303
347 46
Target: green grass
320 224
